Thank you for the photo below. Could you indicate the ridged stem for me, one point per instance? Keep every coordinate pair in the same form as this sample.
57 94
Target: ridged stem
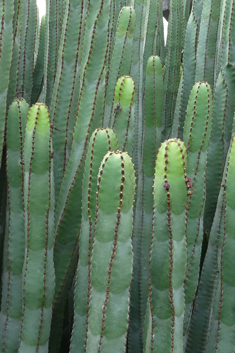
122 120
135 339
102 141
60 107
14 244
207 41
197 130
153 106
28 26
51 47
121 57
110 266
6 49
224 106
168 255
155 33
188 74
171 76
38 270
39 66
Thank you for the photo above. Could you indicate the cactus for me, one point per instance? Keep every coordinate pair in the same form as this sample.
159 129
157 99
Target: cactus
111 261
223 113
168 248
122 119
221 330
26 49
99 65
11 306
207 41
102 141
187 79
120 66
152 139
172 66
38 270
38 69
207 314
6 48
197 129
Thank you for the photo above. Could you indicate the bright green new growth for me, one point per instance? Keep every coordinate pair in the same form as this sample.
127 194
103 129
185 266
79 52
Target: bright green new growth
121 58
38 270
168 256
111 262
122 120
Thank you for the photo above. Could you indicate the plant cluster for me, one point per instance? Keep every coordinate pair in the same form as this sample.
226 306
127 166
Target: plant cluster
117 188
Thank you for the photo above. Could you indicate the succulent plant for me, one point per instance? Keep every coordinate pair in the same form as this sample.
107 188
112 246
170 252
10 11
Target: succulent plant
116 178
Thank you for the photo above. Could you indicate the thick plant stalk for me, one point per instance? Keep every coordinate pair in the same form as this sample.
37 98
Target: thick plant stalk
224 106
174 46
110 266
121 57
51 47
223 319
12 93
68 209
87 98
12 88
122 121
39 66
68 246
62 11
224 54
3 198
135 342
168 255
28 25
28 61
153 106
102 141
187 9
142 12
14 244
207 41
6 49
86 107
60 107
204 322
38 271
17 9
116 10
197 130
155 33
22 33
187 79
